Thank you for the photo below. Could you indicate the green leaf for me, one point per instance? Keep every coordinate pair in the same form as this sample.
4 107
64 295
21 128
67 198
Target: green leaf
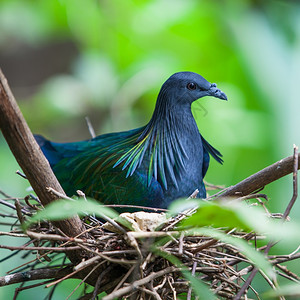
239 215
180 205
289 290
63 209
217 215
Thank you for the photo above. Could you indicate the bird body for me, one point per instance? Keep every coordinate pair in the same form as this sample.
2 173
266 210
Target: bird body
148 166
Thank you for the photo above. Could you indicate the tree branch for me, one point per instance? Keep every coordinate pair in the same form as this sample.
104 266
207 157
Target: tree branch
34 275
30 158
260 179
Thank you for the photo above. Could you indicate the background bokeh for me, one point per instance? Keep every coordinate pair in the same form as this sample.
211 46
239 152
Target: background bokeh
67 59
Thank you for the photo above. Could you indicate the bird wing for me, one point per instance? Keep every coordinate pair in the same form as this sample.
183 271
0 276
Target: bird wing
55 152
95 164
95 172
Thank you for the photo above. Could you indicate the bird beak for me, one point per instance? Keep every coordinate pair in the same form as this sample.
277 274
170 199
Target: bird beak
215 92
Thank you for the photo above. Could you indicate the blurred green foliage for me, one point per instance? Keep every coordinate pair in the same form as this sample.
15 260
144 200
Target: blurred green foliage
116 54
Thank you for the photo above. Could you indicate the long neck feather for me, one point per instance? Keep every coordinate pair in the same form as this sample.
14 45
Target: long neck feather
159 143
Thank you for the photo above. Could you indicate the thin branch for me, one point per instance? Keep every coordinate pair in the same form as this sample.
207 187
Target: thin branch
33 275
18 172
14 234
295 183
280 260
90 127
97 285
86 263
121 261
20 289
58 249
69 275
135 206
124 278
56 237
83 280
10 205
138 283
260 179
290 275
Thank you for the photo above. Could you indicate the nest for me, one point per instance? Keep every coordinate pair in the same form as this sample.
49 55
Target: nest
140 264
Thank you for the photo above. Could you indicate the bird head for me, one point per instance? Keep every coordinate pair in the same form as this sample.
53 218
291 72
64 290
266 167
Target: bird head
186 87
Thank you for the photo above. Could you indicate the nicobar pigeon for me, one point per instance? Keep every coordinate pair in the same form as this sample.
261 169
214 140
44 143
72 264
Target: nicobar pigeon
148 166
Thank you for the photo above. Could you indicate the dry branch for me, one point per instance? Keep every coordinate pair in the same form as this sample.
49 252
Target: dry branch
45 273
260 179
31 159
28 154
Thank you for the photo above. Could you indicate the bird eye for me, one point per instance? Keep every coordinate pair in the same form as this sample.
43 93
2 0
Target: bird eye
191 86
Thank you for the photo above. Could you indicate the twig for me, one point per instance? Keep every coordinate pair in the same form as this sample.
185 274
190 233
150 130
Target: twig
24 211
83 280
290 274
21 174
154 294
59 195
194 194
121 261
211 186
5 194
35 207
87 263
57 249
295 184
285 258
97 285
180 248
252 196
204 246
172 288
69 275
39 274
124 278
189 294
136 206
145 280
284 275
19 212
56 237
19 289
90 127
14 234
152 234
